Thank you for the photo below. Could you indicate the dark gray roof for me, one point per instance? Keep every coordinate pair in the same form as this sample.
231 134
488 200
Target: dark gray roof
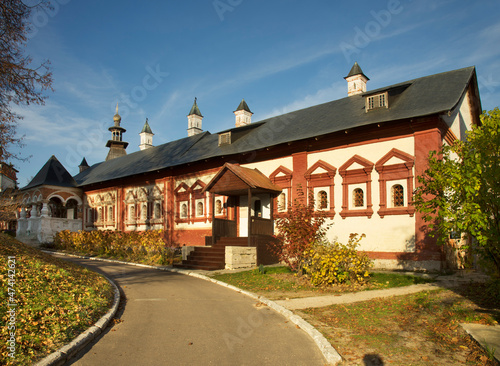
84 163
52 173
356 70
146 128
243 106
415 98
195 109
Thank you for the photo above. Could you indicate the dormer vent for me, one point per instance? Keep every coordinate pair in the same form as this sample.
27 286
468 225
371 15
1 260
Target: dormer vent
225 138
377 101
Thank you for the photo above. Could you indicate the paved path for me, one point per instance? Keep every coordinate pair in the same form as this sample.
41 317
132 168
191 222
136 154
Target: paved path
327 300
173 319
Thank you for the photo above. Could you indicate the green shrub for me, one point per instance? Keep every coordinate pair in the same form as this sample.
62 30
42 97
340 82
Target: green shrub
336 263
145 246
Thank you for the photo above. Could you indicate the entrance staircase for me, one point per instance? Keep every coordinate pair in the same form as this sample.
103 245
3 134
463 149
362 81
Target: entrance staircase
213 257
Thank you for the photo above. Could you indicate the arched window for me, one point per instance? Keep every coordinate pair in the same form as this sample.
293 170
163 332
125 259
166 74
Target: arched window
218 207
199 209
56 208
99 214
110 213
144 212
358 198
282 202
157 211
322 200
184 211
132 212
398 195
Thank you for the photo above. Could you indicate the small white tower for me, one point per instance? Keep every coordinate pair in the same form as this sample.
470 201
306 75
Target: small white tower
243 114
194 120
146 137
356 81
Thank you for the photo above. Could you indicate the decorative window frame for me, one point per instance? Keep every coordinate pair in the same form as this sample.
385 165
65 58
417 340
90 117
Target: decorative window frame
182 195
197 196
282 177
401 172
322 181
353 177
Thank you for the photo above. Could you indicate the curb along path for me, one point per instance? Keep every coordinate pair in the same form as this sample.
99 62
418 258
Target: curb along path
61 356
170 318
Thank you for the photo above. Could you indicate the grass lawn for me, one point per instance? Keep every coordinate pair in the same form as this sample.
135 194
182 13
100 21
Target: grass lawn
420 329
55 301
280 283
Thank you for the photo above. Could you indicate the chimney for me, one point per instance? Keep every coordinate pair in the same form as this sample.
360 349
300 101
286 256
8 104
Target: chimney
356 81
243 114
194 120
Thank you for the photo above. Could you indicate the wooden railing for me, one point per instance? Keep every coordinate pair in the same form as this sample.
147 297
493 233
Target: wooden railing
262 226
224 228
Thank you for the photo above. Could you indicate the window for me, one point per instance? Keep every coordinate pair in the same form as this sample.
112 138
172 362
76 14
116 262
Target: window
99 214
144 212
322 200
132 212
358 198
398 195
376 101
157 211
257 208
225 138
356 187
110 213
282 202
184 211
218 207
396 183
199 209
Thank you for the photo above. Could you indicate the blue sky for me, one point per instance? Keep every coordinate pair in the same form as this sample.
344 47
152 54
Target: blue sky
154 58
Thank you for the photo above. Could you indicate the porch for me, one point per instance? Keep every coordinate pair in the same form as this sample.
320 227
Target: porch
248 220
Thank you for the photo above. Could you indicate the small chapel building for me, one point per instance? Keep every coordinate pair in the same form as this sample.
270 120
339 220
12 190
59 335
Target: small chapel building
358 156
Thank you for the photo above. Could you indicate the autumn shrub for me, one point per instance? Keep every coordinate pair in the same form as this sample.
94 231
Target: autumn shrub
298 230
143 246
336 263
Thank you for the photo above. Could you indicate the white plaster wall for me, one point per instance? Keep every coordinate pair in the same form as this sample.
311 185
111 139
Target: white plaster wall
269 166
460 119
393 233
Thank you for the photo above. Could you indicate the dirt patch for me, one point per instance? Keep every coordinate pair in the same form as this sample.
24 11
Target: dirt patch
421 329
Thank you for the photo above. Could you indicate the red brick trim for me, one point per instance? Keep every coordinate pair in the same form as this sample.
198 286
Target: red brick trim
356 176
398 171
323 180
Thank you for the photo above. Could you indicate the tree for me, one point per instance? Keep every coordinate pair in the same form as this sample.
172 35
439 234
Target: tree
298 230
20 83
460 191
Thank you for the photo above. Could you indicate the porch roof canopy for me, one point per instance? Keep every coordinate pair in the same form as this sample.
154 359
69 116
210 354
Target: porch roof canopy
234 180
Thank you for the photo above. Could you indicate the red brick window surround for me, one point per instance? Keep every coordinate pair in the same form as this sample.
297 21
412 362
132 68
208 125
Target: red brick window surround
396 183
199 202
320 182
356 188
282 177
182 197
